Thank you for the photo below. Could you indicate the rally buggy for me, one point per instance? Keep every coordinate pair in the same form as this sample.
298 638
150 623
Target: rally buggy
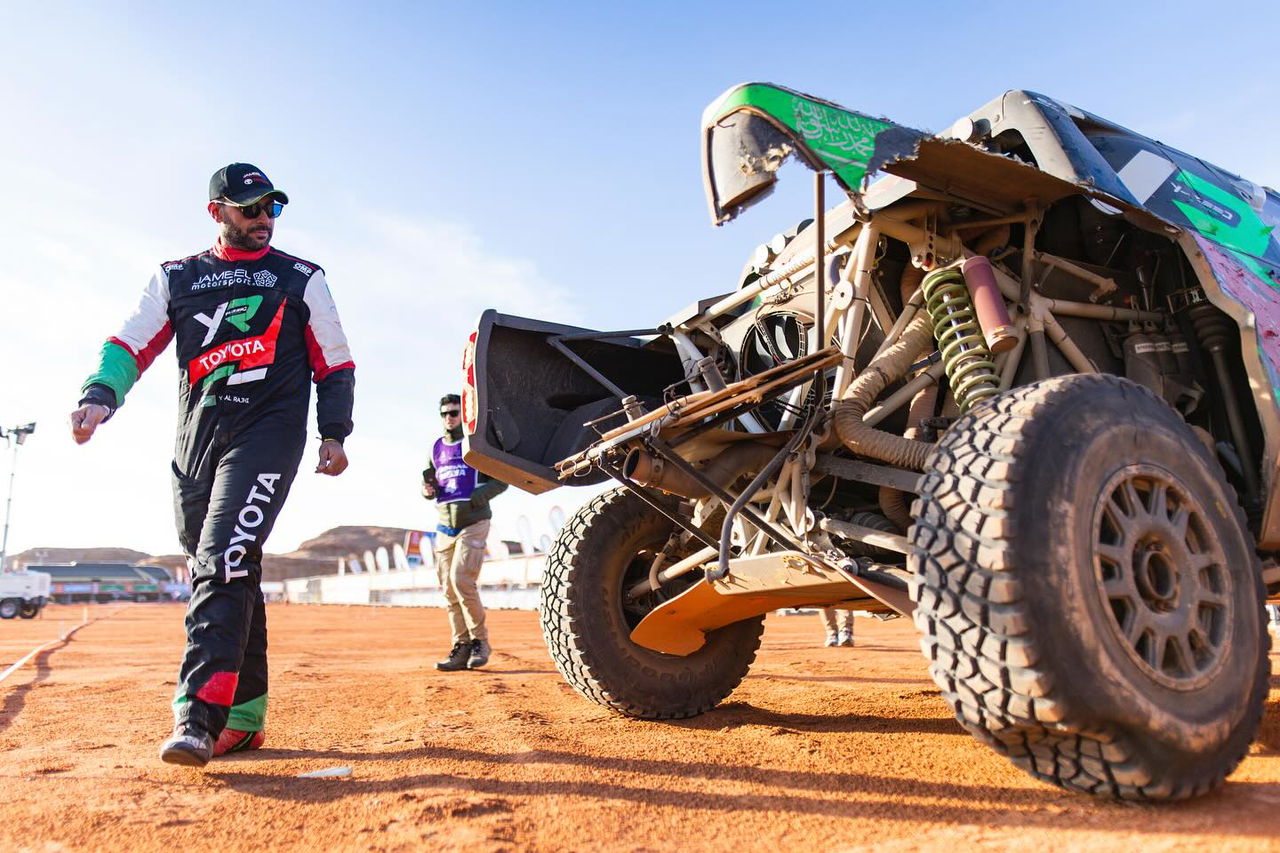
1021 384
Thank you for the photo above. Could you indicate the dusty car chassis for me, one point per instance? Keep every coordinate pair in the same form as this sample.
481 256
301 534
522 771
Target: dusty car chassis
1069 385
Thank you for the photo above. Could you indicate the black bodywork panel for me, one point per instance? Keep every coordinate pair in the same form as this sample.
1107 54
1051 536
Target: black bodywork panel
534 404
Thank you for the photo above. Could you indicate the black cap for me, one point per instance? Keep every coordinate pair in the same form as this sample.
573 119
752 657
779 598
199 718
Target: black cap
241 184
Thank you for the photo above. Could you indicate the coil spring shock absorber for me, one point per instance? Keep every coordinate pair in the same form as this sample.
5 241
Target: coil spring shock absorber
1216 333
965 354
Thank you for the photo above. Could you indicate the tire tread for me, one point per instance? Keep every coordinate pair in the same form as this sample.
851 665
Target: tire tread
563 627
974 620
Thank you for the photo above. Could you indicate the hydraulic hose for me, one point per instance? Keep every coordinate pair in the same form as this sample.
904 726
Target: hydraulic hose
893 502
889 366
726 527
801 434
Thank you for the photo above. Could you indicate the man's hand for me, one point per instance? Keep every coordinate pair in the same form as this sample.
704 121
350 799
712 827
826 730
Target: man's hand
85 420
428 491
333 459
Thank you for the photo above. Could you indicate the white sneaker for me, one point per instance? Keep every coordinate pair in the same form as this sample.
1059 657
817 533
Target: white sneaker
189 745
832 640
846 637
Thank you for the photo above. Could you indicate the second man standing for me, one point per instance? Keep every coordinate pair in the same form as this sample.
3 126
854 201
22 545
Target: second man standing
462 496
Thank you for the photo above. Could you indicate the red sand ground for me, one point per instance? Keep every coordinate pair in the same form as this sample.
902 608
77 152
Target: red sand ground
821 749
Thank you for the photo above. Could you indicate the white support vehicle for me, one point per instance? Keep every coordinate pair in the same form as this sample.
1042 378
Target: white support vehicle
23 594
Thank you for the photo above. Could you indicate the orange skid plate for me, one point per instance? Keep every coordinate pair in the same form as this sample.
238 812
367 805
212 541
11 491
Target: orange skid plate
755 585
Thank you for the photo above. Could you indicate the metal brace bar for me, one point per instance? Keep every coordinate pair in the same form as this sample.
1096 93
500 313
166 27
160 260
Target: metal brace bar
640 493
590 371
865 472
665 451
604 336
558 343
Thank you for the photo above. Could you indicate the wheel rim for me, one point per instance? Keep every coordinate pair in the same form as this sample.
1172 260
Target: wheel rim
1162 575
635 610
637 570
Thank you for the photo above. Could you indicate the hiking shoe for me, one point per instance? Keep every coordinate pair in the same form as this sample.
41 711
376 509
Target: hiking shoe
480 652
189 745
457 658
832 640
846 638
235 740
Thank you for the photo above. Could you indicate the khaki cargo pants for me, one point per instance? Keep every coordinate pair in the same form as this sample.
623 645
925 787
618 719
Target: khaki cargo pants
458 560
836 620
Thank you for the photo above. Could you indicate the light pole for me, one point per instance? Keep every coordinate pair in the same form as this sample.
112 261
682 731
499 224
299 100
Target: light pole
15 436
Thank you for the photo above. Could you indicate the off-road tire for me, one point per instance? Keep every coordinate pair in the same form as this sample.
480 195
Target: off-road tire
1055 626
29 610
9 608
588 633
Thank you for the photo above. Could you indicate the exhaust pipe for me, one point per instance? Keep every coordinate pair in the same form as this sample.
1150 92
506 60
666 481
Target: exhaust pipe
645 469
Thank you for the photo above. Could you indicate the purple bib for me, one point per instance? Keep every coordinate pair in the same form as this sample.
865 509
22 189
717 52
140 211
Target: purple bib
456 479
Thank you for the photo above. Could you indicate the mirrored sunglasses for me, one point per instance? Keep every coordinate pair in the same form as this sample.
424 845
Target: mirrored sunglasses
252 211
450 413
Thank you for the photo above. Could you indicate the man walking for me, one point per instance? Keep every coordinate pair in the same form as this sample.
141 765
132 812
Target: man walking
253 327
462 496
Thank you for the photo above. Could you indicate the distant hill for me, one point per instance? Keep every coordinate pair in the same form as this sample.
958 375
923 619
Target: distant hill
318 556
344 541
83 555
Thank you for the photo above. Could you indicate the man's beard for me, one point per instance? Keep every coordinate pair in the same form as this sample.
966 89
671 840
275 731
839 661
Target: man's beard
240 239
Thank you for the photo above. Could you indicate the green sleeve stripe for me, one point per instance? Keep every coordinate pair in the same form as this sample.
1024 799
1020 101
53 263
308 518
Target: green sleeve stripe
117 369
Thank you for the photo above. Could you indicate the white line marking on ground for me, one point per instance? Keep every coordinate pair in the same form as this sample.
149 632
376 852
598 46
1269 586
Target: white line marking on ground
66 635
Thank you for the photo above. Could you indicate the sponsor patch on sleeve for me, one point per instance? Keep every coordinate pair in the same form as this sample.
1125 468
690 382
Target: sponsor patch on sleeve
303 268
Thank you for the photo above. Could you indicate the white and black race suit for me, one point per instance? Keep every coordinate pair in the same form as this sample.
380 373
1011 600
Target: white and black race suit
252 331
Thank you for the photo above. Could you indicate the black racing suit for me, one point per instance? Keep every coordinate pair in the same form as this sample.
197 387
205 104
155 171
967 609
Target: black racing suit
252 330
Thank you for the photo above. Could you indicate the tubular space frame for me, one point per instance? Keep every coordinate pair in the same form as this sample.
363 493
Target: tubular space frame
786 503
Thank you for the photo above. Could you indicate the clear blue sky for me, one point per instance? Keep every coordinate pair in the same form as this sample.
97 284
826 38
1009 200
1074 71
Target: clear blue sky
441 158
